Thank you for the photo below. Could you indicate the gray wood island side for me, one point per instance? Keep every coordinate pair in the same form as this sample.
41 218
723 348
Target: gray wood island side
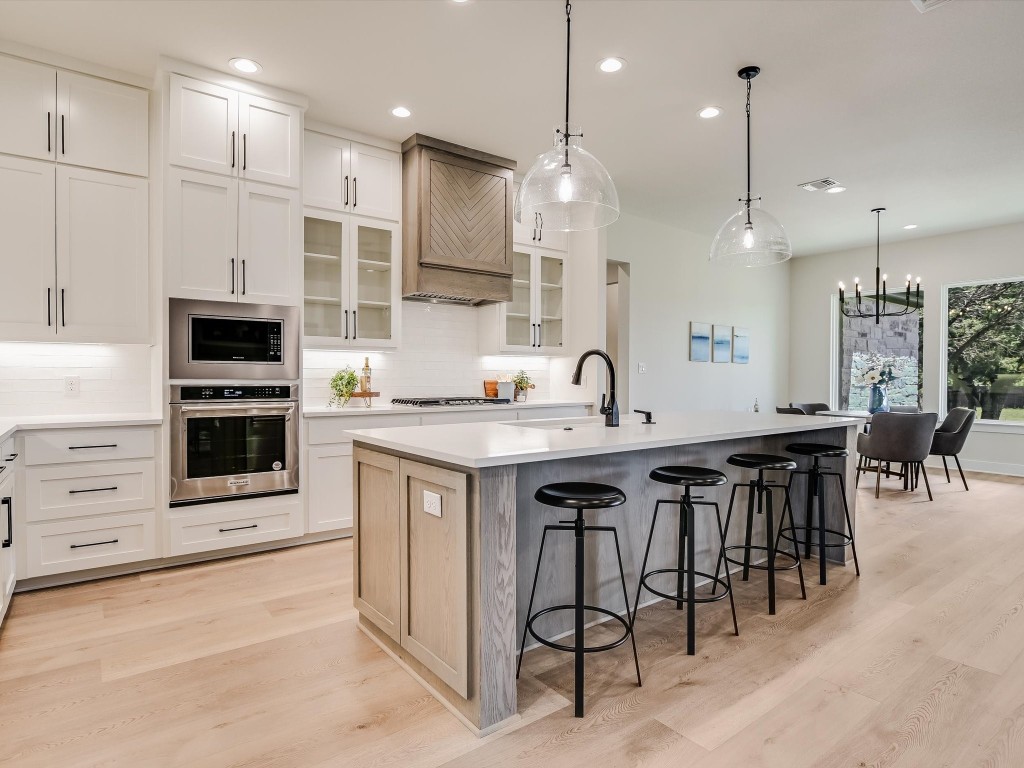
447 531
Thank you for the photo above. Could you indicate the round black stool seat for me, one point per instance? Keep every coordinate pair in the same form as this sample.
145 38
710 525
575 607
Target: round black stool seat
818 450
579 495
701 476
761 461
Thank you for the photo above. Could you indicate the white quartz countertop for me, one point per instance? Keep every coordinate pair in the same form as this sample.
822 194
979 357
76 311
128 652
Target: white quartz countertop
490 444
355 408
11 424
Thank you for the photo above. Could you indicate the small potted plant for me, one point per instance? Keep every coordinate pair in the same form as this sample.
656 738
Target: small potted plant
523 384
343 384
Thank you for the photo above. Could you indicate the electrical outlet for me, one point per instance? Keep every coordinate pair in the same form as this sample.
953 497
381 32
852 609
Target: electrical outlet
432 503
72 385
641 367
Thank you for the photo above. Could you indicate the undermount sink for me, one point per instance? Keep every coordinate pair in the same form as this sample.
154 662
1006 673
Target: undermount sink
580 422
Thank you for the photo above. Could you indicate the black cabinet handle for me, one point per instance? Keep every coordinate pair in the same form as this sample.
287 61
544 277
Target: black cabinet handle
346 323
245 150
95 490
49 147
355 325
346 190
355 192
232 149
539 342
243 273
6 501
63 314
12 457
83 447
48 323
239 528
540 229
232 276
62 134
93 544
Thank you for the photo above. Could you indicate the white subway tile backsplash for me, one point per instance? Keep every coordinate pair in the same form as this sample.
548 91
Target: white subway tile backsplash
439 356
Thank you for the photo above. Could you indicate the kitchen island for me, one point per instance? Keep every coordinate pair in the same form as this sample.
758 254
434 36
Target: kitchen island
447 531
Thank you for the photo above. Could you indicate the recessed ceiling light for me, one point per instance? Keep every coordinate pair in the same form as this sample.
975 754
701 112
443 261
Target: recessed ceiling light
611 64
835 190
460 2
400 112
246 65
709 112
910 226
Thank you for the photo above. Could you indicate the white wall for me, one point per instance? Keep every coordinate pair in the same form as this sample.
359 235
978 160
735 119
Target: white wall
115 378
996 252
671 283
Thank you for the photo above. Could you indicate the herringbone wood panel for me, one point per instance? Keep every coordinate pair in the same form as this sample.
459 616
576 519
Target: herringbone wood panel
467 214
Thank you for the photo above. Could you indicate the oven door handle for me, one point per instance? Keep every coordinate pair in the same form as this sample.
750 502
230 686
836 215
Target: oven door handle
254 410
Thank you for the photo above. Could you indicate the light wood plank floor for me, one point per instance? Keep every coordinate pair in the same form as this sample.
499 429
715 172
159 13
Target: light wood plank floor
256 661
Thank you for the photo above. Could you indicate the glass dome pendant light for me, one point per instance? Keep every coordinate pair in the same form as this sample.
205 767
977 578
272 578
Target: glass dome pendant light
752 237
567 189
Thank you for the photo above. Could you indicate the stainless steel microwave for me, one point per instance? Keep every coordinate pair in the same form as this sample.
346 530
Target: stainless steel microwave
225 340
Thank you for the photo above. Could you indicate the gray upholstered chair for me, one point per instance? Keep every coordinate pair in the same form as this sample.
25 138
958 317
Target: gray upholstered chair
810 408
904 409
898 438
950 437
793 411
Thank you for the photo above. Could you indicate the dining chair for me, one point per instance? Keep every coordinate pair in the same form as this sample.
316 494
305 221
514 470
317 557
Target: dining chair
810 408
904 409
950 437
792 411
898 438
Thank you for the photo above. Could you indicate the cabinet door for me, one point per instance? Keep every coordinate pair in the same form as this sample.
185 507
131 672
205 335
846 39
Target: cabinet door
377 545
28 93
201 235
549 238
549 301
102 124
435 571
203 126
517 328
271 140
27 257
7 565
375 280
269 243
376 182
102 256
329 492
325 171
325 276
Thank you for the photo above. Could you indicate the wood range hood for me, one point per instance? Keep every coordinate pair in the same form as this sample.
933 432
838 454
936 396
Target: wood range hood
457 223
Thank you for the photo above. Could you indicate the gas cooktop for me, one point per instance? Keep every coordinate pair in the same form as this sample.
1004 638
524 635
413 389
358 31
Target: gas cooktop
424 402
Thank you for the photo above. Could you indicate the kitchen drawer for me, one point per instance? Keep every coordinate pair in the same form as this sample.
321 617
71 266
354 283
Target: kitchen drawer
322 430
66 446
554 412
79 490
245 523
469 417
76 545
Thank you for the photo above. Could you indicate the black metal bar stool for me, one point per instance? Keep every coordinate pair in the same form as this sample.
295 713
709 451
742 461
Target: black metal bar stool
761 491
579 496
816 490
686 573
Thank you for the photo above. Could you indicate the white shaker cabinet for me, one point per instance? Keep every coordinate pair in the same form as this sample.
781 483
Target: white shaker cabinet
27 257
28 101
220 130
350 177
8 498
102 256
269 231
329 488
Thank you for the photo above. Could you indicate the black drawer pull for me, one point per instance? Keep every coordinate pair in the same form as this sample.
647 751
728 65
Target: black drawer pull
12 457
6 501
95 490
239 528
83 447
94 544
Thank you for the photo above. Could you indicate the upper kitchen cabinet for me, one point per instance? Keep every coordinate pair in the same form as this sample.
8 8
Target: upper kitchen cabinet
73 118
224 131
231 241
347 176
533 234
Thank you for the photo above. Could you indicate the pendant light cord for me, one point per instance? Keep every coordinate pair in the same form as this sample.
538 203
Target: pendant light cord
568 40
748 152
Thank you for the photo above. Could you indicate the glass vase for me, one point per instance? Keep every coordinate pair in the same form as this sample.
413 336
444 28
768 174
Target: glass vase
878 399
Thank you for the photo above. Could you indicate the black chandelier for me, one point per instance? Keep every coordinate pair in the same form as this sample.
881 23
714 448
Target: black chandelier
880 297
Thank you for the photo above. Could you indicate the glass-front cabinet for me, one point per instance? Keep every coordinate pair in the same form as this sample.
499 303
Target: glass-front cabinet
534 321
351 278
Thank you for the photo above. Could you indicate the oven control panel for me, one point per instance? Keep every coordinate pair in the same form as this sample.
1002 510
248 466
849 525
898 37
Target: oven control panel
244 392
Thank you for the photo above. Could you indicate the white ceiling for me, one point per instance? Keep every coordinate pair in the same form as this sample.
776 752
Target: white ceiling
921 113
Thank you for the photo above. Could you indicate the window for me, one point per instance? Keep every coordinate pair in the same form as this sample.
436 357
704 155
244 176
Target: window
984 349
895 342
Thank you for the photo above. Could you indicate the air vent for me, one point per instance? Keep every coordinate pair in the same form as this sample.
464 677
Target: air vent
815 186
928 5
439 298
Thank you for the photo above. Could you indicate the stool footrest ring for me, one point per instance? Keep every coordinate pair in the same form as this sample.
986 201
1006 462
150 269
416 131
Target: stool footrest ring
845 539
570 648
682 597
759 566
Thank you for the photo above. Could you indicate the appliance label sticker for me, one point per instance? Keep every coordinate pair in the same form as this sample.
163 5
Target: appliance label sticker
242 481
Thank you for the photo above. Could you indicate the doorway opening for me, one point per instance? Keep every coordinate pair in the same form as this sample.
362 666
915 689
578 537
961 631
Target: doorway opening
617 327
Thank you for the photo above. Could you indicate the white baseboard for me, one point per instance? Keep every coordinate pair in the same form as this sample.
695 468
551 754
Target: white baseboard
988 467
